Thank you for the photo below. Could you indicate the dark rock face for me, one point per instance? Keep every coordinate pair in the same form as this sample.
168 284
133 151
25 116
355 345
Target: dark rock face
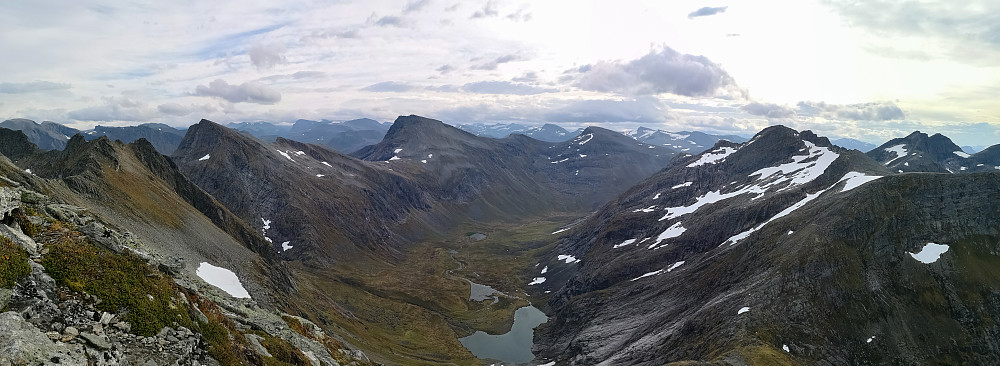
164 138
779 252
685 141
15 144
938 154
47 135
321 203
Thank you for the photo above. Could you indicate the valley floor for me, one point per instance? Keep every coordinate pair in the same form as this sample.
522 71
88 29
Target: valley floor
414 311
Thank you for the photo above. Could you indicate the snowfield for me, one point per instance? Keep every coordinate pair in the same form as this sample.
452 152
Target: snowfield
222 278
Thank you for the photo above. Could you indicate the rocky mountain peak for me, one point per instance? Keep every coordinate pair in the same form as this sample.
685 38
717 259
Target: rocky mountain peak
15 144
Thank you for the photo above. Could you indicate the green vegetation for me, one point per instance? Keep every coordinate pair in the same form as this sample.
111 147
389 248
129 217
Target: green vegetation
13 263
27 227
123 282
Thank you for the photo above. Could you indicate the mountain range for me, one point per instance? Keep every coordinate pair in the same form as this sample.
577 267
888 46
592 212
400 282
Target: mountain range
546 132
686 142
262 243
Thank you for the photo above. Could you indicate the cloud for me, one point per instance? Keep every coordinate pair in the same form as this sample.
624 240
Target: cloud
666 71
266 57
389 21
115 109
415 5
527 77
299 75
173 109
492 64
388 87
519 16
504 87
875 111
768 110
488 10
643 110
31 87
249 92
444 69
646 109
707 11
445 88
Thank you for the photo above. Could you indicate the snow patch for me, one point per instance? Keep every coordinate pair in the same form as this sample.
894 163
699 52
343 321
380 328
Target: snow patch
899 150
685 184
397 151
203 158
546 269
394 158
327 164
536 280
320 175
870 339
809 197
624 243
802 172
785 347
743 310
673 231
657 196
424 161
222 278
713 157
567 258
646 210
300 152
284 154
856 179
930 253
674 266
559 231
285 247
588 137
654 273
962 154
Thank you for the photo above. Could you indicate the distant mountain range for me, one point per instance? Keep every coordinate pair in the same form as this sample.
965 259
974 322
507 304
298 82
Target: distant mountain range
849 143
684 141
344 137
919 152
546 132
644 248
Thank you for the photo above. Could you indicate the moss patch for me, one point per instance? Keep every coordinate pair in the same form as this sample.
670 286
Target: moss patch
13 263
122 282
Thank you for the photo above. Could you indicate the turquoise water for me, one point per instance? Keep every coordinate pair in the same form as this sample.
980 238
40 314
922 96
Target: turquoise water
513 346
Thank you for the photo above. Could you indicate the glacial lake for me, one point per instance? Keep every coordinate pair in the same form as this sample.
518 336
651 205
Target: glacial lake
513 346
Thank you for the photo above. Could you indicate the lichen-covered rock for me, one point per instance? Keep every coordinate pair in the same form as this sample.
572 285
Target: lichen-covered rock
24 344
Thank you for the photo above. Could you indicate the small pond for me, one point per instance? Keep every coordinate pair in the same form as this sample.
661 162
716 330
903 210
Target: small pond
513 346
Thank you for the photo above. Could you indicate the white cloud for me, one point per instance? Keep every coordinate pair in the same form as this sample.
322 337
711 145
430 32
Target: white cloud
266 57
663 71
31 87
249 92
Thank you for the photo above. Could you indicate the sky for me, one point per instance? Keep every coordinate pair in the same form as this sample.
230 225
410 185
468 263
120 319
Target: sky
870 70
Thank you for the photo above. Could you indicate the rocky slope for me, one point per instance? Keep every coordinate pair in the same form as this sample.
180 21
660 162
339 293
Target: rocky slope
782 250
685 141
95 274
46 135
